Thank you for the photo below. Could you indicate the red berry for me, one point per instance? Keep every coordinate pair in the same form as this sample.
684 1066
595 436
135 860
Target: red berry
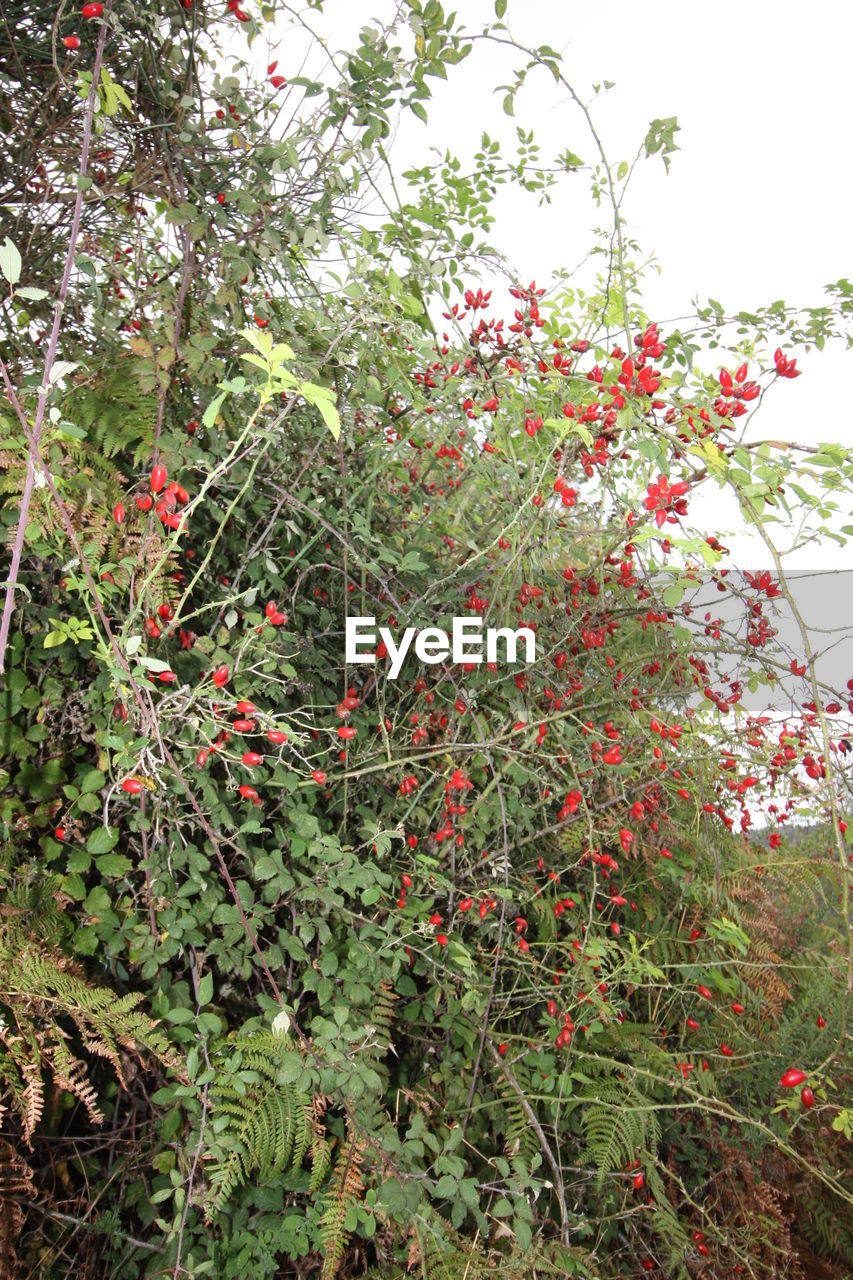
346 731
807 1096
441 939
132 786
276 736
319 777
118 513
71 42
59 833
220 676
144 501
792 1077
248 793
159 476
90 11
251 758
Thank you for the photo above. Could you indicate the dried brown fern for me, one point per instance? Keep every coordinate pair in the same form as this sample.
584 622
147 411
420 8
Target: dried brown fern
16 1185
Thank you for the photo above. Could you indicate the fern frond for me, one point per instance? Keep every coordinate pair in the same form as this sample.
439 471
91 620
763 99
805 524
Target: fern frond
264 1124
344 1191
41 990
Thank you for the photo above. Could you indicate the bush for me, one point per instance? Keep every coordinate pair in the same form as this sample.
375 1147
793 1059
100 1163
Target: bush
313 970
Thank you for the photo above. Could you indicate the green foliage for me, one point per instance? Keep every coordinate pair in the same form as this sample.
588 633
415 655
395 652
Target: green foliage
479 970
263 1125
43 998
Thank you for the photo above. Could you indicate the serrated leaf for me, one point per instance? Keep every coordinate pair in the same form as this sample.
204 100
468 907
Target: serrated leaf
114 864
10 262
205 989
102 840
210 413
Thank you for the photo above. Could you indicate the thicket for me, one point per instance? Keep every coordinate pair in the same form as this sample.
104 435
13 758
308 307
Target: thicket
309 972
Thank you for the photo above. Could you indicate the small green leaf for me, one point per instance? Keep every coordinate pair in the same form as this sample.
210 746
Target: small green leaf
210 413
205 989
10 262
102 840
114 864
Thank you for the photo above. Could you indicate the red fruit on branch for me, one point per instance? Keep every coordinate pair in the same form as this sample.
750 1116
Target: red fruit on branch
91 11
807 1096
792 1077
248 793
71 42
346 731
251 758
144 501
132 786
319 777
159 476
220 676
118 513
276 736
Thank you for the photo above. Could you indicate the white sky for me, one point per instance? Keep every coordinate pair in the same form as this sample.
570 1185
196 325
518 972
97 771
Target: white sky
757 203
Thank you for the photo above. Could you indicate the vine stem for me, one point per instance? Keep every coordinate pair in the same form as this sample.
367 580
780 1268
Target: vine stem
53 344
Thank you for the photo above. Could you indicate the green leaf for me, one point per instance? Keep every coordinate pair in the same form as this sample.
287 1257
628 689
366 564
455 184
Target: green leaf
324 400
92 780
205 989
500 8
209 416
102 840
114 864
10 262
54 639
